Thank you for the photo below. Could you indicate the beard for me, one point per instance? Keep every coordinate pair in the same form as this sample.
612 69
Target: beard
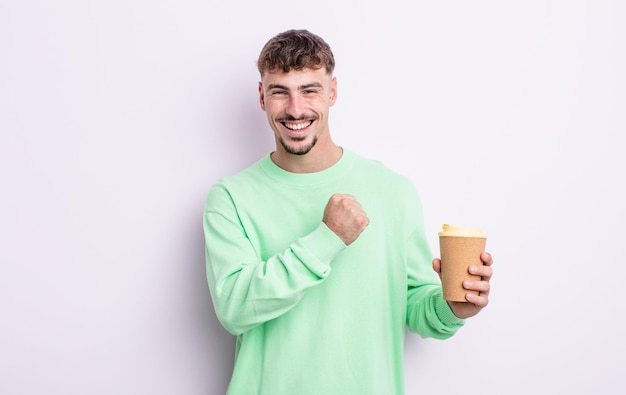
298 151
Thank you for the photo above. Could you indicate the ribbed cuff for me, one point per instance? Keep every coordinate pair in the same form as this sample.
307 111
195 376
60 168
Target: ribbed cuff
318 249
444 312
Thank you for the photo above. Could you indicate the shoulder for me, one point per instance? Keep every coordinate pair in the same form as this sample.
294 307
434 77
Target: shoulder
242 183
375 171
243 177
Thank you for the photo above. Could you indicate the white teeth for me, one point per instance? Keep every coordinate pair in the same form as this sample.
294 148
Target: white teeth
297 126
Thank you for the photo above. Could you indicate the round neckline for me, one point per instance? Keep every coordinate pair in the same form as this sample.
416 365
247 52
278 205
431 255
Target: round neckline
307 180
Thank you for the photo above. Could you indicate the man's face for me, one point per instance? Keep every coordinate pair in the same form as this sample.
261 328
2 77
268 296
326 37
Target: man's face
297 105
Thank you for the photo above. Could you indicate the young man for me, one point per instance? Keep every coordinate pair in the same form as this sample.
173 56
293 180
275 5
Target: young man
316 257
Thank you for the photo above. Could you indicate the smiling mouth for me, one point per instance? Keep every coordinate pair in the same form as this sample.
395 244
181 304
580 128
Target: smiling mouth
297 126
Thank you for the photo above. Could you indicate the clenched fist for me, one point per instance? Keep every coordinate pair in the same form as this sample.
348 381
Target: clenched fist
345 216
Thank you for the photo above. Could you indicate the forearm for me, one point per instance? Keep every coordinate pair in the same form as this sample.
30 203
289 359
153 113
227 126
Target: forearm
248 291
429 315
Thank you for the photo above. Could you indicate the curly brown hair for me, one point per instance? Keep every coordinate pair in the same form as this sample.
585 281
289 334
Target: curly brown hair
297 50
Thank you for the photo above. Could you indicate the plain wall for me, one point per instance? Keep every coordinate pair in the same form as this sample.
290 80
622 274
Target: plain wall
117 116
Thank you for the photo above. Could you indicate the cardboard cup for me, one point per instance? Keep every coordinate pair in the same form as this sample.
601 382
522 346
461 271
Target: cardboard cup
457 254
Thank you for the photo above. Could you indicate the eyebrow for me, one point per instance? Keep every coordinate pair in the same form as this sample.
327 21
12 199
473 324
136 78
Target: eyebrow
301 87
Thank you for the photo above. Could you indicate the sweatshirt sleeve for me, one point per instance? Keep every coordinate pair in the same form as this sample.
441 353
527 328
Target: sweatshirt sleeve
247 291
428 314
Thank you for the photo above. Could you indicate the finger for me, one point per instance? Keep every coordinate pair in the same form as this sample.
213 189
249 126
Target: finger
437 265
484 272
480 300
338 197
483 287
346 196
486 258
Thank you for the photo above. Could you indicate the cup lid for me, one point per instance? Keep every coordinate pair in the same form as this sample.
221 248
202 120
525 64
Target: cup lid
461 231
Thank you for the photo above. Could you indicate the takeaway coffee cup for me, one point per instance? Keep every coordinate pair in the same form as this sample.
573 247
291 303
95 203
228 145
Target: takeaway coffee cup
460 247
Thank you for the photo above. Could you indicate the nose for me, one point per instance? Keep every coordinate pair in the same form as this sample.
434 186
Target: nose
294 107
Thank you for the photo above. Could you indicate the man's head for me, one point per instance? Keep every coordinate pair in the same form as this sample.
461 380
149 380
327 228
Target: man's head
295 50
296 91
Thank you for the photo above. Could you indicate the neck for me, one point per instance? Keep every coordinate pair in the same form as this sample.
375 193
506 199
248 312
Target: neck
318 159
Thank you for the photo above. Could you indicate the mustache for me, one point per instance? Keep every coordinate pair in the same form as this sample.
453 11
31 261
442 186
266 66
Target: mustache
291 118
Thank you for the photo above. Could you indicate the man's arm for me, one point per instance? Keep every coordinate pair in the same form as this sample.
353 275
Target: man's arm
247 291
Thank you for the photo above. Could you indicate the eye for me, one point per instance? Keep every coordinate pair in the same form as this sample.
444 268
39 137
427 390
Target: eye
278 93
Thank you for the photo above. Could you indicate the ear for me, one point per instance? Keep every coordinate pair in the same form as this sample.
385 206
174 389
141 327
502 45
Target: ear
333 91
261 96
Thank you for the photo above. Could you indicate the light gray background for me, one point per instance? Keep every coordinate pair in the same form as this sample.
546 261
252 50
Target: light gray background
117 116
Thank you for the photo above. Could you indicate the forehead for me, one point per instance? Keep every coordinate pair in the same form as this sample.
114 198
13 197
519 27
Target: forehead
296 78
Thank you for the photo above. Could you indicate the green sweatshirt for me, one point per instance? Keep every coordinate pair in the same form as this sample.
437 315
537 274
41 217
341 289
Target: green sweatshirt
312 315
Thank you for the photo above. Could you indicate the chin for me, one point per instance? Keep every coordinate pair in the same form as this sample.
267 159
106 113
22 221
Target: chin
302 148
